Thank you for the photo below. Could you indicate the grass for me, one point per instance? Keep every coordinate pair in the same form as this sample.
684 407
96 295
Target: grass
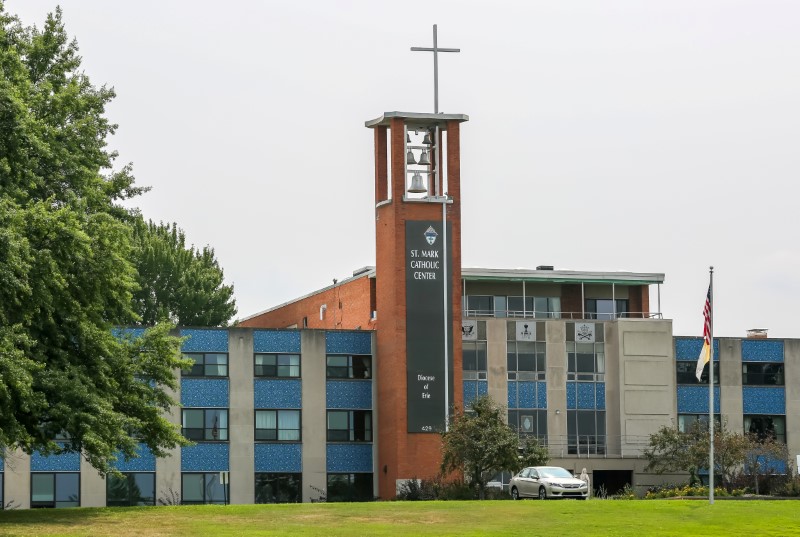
595 517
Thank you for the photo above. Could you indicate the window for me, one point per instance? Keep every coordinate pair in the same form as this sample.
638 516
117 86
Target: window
131 489
586 432
2 503
205 424
529 422
350 488
349 366
278 425
538 307
474 360
55 490
765 427
279 488
480 305
207 365
586 361
604 308
762 373
277 365
687 373
686 421
526 360
349 426
199 488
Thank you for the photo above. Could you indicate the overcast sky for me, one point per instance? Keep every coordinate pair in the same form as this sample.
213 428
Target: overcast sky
659 136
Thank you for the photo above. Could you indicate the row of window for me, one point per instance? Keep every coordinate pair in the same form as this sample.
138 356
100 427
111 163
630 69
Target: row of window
211 425
763 426
541 307
62 489
753 373
338 366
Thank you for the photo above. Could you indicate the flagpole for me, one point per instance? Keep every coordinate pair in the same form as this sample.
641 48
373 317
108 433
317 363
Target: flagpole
711 388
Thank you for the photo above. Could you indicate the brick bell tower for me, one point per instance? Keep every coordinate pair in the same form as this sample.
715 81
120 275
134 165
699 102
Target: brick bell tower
418 263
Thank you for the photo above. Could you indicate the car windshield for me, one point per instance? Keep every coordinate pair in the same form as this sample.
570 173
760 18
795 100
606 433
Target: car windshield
554 472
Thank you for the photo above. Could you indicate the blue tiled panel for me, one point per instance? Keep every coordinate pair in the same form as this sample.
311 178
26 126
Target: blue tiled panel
694 399
278 393
348 394
512 394
349 457
201 393
527 394
279 457
688 349
541 395
766 350
146 462
205 458
276 341
770 464
204 340
572 395
762 400
128 332
586 396
64 462
600 394
348 342
474 389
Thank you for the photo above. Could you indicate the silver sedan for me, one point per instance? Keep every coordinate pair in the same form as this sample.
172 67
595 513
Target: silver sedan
547 482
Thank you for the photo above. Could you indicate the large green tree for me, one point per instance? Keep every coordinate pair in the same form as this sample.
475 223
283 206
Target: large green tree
480 443
66 276
176 283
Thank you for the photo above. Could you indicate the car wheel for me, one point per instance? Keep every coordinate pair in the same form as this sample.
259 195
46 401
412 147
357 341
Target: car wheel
542 493
514 494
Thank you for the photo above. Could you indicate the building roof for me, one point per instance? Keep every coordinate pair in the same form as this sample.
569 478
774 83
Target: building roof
416 117
561 276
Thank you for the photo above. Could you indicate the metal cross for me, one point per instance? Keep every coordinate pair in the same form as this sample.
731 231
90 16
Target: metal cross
436 50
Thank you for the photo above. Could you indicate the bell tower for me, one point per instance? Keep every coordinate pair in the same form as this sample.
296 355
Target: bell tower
418 263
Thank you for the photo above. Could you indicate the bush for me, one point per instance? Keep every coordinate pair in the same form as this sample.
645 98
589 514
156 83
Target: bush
627 493
438 489
684 491
791 487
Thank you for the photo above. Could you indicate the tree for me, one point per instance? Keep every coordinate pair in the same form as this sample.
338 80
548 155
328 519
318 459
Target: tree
532 454
66 279
671 450
480 443
176 283
765 455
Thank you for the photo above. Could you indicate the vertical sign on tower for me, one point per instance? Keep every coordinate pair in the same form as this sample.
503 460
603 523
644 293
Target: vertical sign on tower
426 282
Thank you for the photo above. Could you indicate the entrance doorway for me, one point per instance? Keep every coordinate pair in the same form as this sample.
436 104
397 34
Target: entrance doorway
610 481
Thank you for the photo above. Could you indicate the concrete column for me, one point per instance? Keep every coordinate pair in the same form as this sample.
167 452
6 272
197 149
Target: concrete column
241 416
93 486
556 377
168 469
731 402
791 358
496 361
17 479
614 380
314 422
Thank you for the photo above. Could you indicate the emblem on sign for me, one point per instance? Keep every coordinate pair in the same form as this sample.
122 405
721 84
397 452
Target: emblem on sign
469 330
584 332
526 331
430 235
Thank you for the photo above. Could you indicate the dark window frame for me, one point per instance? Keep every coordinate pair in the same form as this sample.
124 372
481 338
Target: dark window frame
294 479
278 356
353 482
226 496
207 433
201 370
351 370
763 426
352 431
277 428
130 495
685 373
54 503
771 374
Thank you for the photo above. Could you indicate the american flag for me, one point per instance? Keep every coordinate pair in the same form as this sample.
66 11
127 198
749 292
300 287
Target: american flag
705 354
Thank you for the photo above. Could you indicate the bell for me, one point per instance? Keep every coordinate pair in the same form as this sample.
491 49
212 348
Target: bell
408 138
410 157
417 184
423 158
427 139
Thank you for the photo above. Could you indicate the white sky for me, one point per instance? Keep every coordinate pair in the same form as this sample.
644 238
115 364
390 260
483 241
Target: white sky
657 136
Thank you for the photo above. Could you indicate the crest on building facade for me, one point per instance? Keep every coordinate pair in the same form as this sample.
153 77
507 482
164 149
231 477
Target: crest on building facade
469 330
584 332
430 235
526 331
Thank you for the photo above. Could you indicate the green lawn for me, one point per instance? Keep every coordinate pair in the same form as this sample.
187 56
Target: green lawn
555 518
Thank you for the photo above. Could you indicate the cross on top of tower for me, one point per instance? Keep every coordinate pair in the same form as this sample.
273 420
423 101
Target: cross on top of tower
436 50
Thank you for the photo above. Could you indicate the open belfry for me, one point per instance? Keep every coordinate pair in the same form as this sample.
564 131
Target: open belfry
418 259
